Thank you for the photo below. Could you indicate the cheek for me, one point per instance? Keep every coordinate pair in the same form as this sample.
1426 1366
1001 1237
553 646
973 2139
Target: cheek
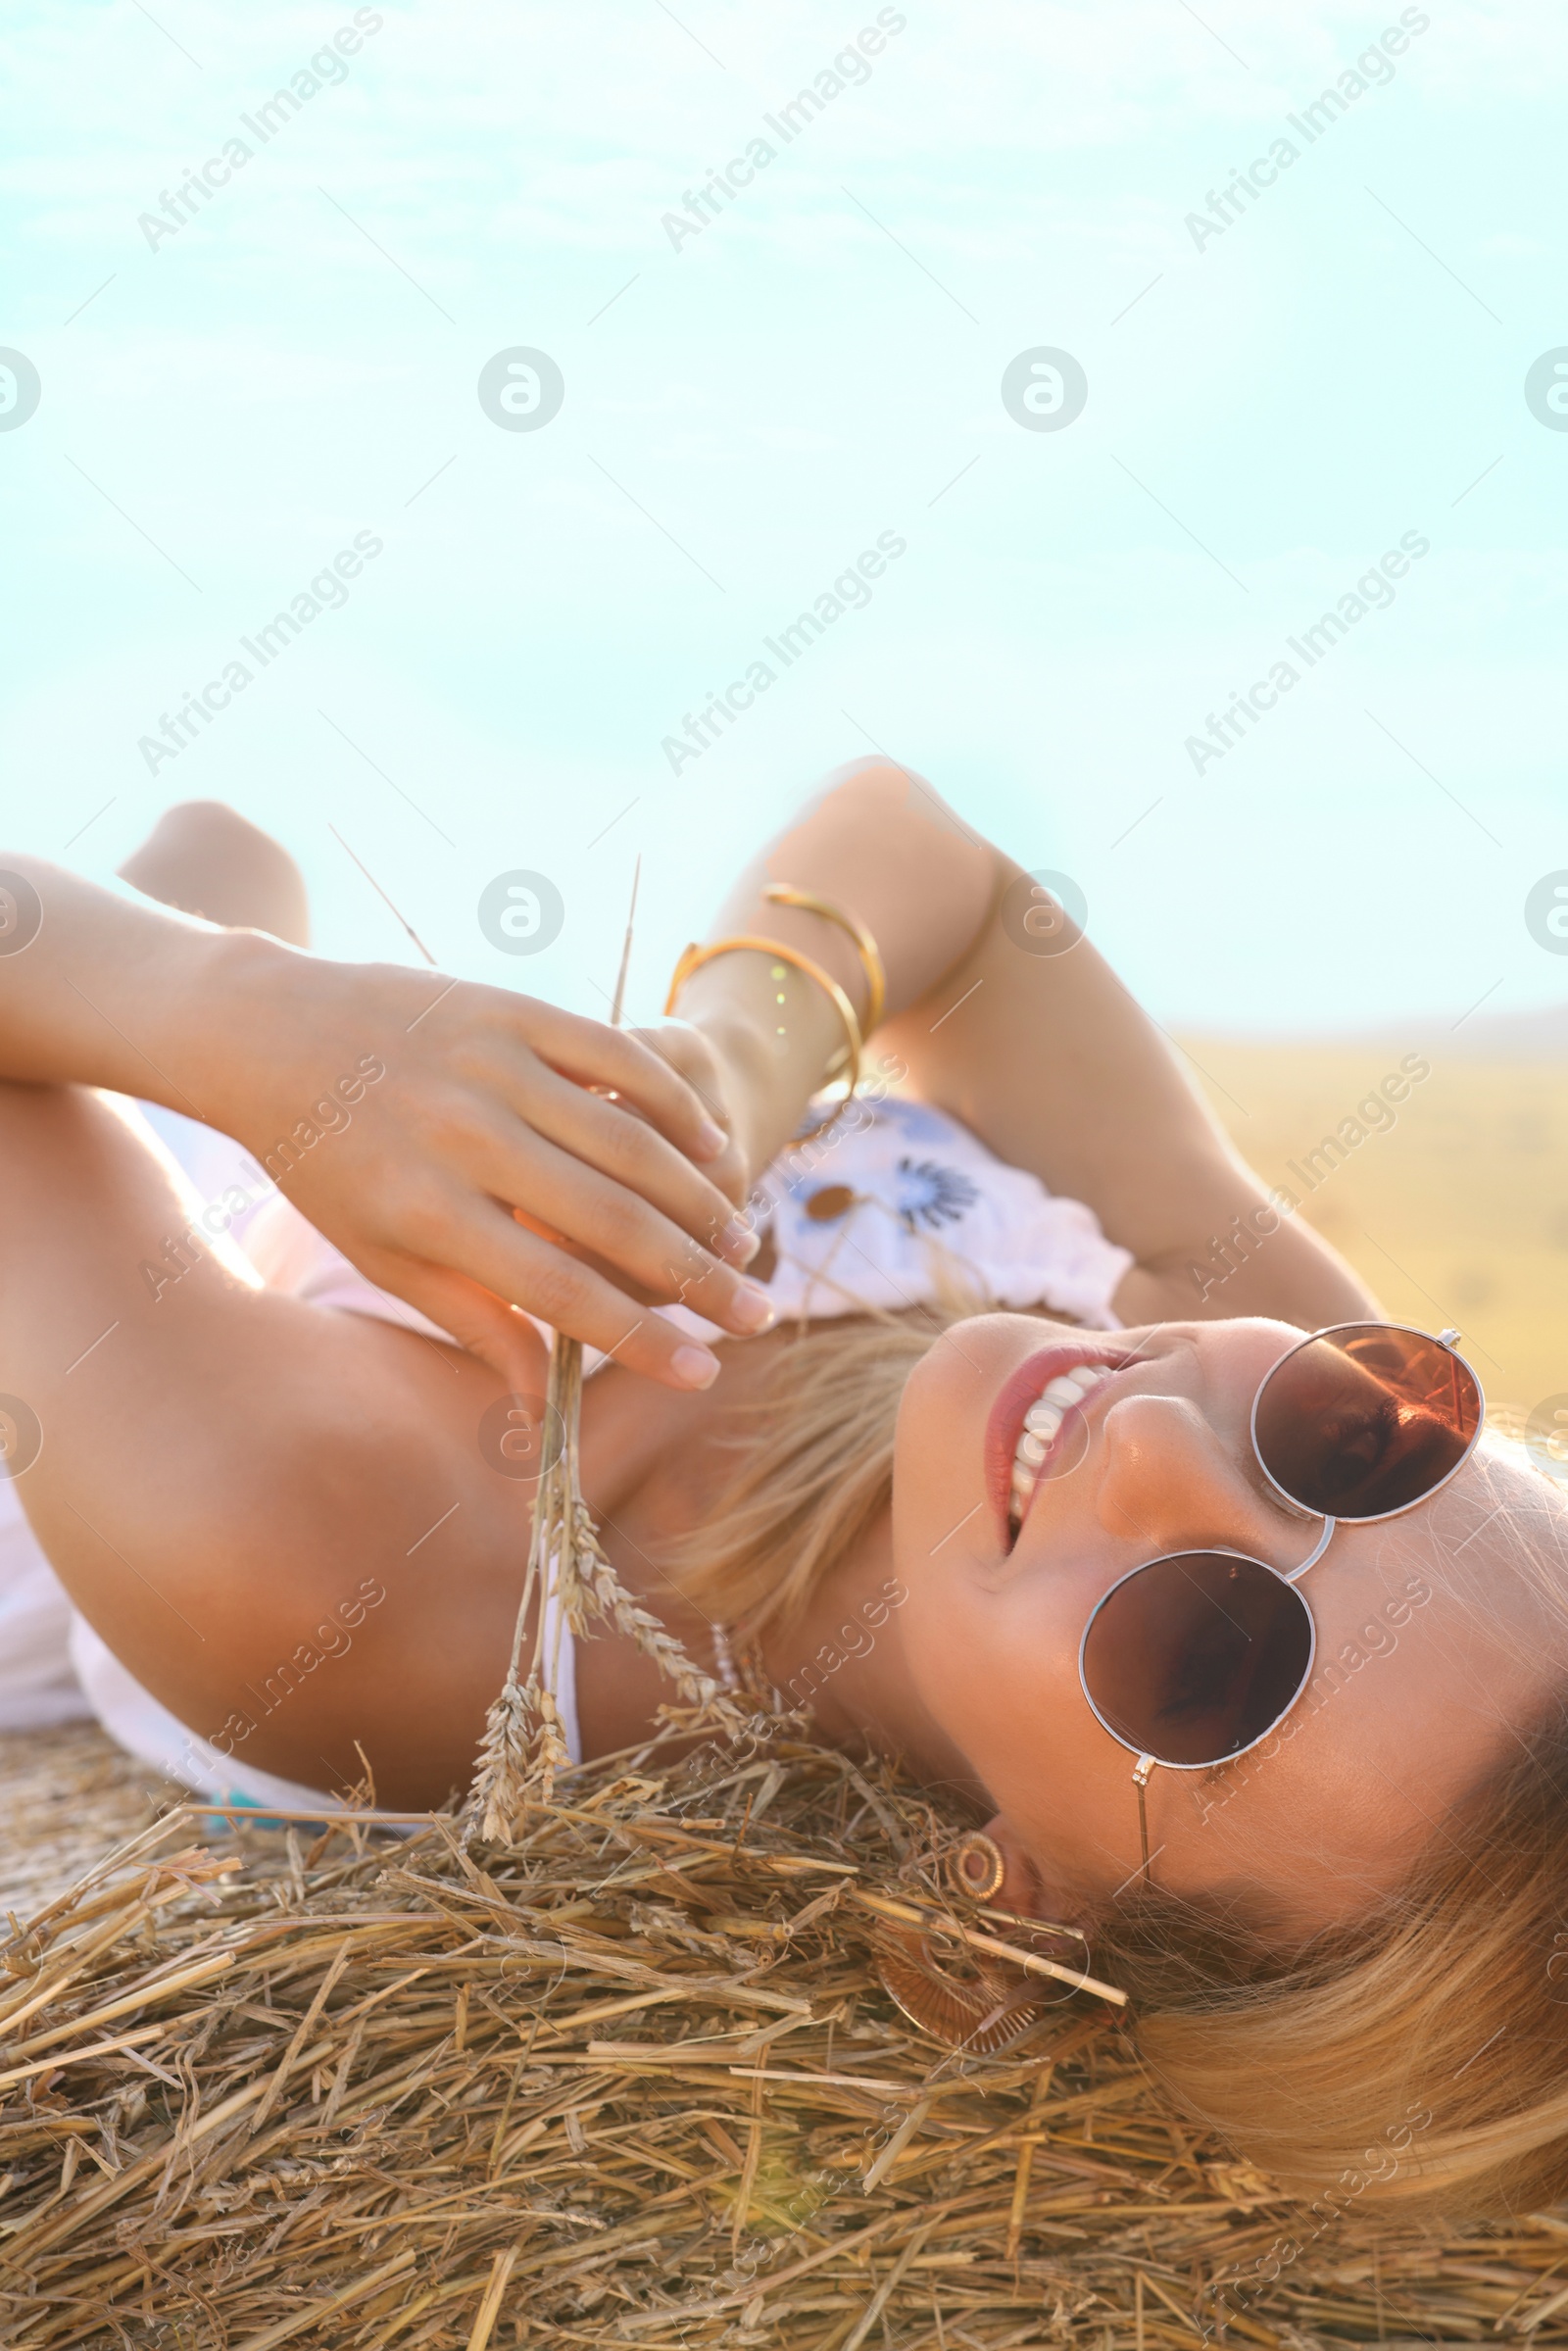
935 1406
998 1668
998 1672
934 1487
946 1663
939 1449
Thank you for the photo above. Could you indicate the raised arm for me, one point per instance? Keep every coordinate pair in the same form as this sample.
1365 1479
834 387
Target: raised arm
1045 1056
441 1134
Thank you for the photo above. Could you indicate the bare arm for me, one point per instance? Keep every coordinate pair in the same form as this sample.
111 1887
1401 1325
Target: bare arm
443 1135
1045 1056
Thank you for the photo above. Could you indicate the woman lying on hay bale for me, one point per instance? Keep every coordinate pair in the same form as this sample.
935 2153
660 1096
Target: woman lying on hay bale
972 1463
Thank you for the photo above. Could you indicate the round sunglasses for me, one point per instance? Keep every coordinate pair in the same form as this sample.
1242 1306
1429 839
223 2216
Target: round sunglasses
1194 1657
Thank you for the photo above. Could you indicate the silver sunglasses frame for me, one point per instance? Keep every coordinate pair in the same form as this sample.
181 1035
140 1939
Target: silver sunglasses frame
1446 1340
1208 1550
1146 1764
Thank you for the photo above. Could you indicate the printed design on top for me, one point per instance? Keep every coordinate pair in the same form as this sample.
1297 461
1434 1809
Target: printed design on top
931 1195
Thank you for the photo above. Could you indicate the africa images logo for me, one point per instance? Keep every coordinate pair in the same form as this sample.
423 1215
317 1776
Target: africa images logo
849 592
1372 69
850 68
180 203
20 389
327 591
1374 591
1546 913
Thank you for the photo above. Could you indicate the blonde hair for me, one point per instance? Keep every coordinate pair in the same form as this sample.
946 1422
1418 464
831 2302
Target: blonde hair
814 1471
1418 2059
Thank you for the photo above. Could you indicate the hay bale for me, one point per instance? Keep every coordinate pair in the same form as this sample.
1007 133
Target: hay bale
68 1797
633 2080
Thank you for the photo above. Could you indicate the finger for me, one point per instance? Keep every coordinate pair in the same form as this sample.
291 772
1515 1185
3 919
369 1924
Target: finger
518 1268
689 1054
670 1291
613 1220
619 1058
692 1055
483 1324
622 1150
730 1175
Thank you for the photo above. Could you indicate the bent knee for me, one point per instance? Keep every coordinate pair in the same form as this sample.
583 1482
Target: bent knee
206 858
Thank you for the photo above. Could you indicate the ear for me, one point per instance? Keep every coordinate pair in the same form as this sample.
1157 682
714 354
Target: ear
1025 1890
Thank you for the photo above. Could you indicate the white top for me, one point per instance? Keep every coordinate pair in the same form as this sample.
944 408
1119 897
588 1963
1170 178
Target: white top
897 1201
893 1207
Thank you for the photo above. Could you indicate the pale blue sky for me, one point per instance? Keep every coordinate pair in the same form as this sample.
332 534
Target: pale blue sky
743 416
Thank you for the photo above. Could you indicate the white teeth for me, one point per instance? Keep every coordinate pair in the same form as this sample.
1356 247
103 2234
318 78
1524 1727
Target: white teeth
1043 1422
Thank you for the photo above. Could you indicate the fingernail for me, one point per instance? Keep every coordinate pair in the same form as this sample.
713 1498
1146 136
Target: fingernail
741 1243
710 1139
694 1366
751 1309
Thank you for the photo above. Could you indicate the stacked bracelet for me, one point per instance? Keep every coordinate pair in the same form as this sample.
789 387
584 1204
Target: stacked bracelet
696 957
785 894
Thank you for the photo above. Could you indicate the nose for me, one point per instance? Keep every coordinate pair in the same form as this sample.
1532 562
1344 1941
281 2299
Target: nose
1171 1480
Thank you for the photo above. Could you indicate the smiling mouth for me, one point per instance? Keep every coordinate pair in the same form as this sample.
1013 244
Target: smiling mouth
1043 1423
1037 1418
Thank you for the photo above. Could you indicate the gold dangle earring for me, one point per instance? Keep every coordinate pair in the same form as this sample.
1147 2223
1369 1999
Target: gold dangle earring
977 1866
989 2007
983 2011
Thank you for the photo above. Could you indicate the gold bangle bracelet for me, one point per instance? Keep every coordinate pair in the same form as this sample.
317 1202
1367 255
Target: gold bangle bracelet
696 957
785 894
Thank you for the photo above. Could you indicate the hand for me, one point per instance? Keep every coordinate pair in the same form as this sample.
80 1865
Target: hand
721 1092
445 1137
719 1087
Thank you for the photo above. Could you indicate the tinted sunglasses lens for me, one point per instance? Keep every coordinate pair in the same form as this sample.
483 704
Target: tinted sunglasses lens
1365 1420
1193 1658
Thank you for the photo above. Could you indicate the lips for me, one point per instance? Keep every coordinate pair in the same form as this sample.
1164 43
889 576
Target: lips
1006 1426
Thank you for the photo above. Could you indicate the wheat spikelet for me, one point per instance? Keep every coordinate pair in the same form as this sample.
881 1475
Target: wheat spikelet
502 1764
524 1745
612 1602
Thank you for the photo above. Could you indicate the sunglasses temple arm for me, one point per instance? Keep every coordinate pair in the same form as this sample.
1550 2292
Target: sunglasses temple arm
1141 1774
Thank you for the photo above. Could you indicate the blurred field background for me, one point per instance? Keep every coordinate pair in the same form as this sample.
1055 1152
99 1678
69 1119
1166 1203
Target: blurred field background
1456 1214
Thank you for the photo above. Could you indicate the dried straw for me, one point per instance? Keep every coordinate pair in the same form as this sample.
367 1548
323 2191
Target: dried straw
630 2081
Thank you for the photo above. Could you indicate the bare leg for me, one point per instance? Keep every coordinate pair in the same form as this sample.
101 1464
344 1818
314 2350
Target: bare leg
224 1468
206 858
